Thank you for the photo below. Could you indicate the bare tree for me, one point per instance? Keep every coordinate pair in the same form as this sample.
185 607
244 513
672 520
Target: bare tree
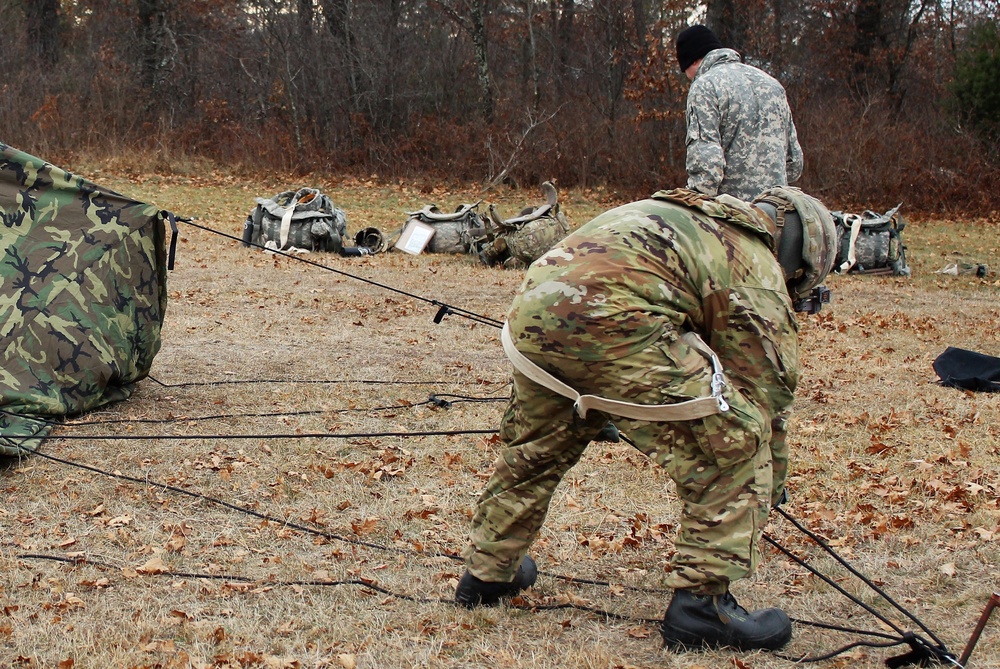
728 20
157 42
42 17
470 15
885 33
339 16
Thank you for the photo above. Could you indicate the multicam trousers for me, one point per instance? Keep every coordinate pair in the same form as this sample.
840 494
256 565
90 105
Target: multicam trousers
721 464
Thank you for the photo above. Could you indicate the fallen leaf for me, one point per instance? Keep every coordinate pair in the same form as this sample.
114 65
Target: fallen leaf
154 566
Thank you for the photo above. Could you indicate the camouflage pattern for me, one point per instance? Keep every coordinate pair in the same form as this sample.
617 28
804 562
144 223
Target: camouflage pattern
529 241
877 250
740 134
456 236
518 246
814 248
878 247
604 311
82 295
316 224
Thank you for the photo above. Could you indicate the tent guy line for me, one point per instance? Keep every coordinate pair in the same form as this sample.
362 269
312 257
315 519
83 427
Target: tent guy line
908 638
921 650
299 527
443 308
434 400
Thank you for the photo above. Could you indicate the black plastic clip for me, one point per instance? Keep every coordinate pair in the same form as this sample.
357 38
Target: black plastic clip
173 238
442 312
438 402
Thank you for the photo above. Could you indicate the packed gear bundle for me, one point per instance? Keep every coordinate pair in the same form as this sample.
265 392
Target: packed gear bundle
301 219
519 241
871 243
454 232
512 242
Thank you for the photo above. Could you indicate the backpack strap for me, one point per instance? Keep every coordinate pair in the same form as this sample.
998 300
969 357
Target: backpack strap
689 410
432 213
536 213
852 253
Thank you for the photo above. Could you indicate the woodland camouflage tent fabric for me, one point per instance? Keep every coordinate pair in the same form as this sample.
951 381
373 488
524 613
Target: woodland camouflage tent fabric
82 296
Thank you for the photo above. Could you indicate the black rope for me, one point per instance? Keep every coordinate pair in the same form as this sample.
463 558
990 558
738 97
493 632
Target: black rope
435 400
443 310
364 583
235 507
374 382
920 648
587 581
235 437
807 659
241 579
840 628
822 544
303 528
829 581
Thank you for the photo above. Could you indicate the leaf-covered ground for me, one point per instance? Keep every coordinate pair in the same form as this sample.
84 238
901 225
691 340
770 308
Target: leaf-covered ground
262 502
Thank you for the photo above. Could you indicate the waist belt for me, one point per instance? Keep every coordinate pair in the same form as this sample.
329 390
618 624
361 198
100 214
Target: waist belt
688 410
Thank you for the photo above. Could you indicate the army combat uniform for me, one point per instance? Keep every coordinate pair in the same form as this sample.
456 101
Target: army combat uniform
608 311
740 136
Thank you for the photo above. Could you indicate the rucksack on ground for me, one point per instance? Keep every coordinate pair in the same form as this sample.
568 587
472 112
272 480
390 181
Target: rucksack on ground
871 243
519 241
300 219
450 232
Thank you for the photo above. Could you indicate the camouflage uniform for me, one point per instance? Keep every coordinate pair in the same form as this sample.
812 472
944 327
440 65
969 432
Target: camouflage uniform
740 135
604 311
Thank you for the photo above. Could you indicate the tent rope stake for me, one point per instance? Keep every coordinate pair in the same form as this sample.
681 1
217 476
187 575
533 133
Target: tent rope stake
980 626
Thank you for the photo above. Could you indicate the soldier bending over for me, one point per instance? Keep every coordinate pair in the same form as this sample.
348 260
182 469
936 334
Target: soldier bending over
672 316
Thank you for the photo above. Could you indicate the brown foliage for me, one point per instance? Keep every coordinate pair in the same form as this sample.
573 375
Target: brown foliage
585 93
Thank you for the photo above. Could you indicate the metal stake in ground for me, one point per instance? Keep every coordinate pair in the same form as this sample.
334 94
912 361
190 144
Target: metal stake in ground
980 626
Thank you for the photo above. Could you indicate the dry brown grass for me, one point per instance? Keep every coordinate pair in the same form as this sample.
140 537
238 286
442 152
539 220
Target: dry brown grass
900 474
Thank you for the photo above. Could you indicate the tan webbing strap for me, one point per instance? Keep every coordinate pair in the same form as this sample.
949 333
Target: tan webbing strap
689 410
286 225
852 256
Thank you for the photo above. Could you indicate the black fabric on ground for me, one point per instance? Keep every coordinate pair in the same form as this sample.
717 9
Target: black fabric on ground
960 368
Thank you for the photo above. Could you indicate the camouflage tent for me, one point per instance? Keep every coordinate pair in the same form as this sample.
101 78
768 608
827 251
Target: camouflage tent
82 296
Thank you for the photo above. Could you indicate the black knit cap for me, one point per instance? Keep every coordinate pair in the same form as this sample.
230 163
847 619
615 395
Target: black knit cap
694 43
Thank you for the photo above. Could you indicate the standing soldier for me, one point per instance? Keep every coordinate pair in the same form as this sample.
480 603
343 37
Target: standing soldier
740 136
673 316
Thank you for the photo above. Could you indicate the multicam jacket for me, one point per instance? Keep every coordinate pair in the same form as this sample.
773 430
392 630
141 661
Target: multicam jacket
740 136
655 269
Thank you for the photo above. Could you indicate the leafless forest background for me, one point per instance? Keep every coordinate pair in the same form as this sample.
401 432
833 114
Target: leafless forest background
895 100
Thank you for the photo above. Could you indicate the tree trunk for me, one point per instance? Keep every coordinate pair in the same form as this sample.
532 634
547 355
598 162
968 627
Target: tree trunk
478 29
726 19
155 38
43 29
338 14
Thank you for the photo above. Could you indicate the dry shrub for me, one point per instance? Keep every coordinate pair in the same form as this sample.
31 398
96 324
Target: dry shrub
875 158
